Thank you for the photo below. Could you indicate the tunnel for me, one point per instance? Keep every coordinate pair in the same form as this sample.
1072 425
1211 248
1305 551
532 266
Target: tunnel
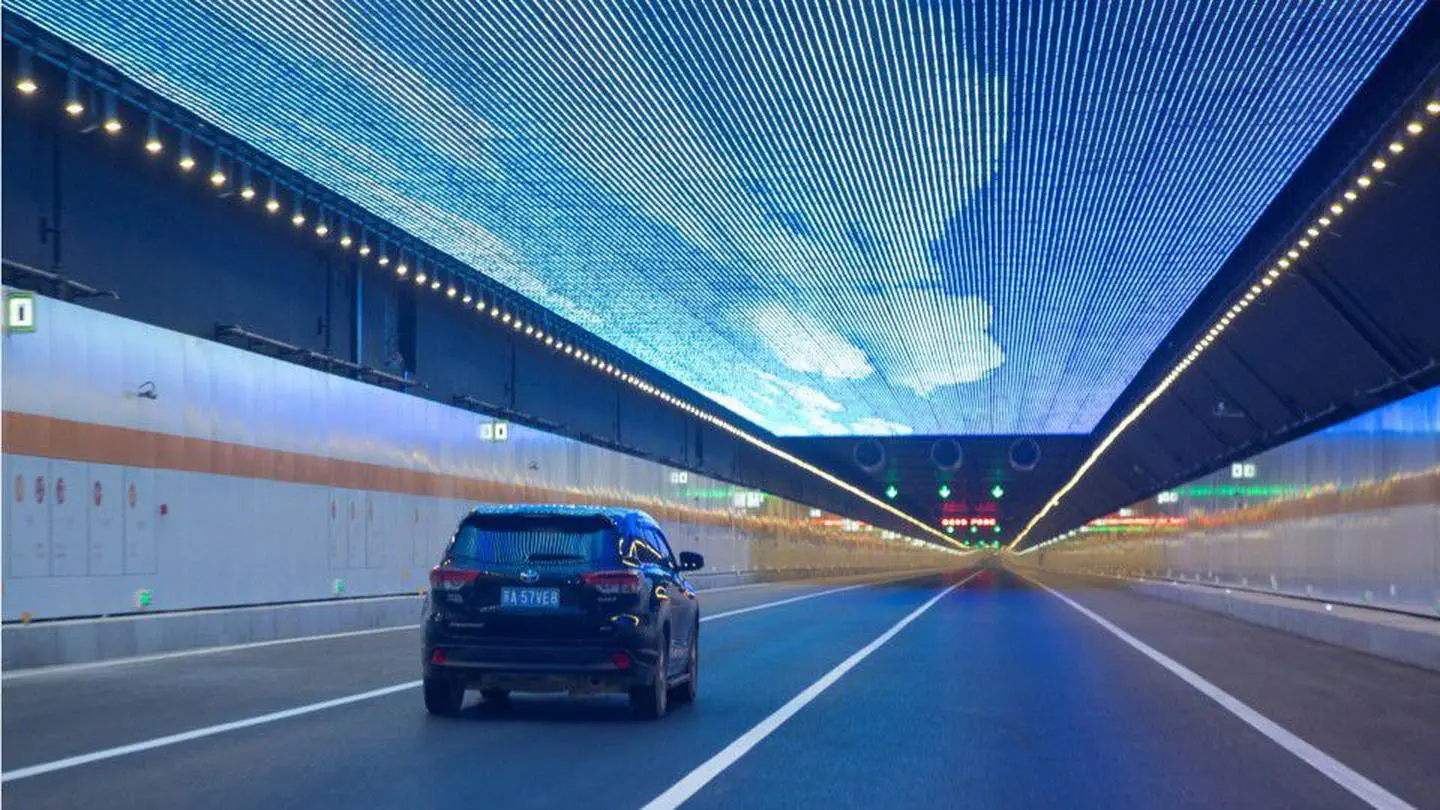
1010 403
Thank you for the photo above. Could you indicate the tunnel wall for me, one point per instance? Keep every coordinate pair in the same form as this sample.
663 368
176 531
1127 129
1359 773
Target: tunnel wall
251 480
1349 514
182 255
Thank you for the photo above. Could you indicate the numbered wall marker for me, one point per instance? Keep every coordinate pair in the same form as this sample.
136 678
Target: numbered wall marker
20 312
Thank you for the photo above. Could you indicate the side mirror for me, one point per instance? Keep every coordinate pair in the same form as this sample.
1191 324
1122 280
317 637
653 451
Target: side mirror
690 561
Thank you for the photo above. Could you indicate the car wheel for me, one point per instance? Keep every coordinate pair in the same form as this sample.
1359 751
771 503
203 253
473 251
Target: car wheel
649 701
443 696
686 692
494 695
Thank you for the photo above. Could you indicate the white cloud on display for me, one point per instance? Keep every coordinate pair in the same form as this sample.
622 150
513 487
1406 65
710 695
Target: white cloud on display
910 353
803 344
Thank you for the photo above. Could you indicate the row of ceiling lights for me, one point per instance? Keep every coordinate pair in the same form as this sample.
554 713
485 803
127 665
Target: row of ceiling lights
74 105
1274 271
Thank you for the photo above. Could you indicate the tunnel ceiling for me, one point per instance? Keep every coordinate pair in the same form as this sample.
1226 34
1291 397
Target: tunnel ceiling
864 219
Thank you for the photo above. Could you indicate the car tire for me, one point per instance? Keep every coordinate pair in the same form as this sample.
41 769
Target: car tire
649 701
688 691
444 696
494 695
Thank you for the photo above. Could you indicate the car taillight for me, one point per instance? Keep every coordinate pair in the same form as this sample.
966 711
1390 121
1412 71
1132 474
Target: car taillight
613 582
450 579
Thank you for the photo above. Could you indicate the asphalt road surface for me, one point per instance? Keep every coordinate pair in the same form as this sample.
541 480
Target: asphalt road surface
968 689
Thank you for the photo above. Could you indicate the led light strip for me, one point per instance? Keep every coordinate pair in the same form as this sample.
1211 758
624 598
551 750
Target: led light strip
222 176
1402 140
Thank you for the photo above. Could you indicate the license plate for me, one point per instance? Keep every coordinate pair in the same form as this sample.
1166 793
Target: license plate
530 597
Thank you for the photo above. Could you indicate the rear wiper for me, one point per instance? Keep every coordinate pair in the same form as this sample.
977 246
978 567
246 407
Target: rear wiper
548 557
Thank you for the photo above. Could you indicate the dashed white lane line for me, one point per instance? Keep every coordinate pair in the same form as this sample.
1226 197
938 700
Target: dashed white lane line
688 786
210 731
1338 772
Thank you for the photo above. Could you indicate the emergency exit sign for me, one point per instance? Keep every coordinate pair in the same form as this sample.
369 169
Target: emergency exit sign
19 312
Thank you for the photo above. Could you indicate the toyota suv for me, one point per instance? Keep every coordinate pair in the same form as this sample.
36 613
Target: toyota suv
572 599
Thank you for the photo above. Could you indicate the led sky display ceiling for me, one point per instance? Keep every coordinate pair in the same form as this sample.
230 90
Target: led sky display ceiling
869 218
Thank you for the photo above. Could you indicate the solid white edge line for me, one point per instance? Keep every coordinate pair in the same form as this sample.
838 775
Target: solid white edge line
1339 773
208 731
692 782
185 736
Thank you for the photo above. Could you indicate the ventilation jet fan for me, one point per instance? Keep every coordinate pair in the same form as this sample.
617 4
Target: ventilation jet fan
1024 454
947 454
869 456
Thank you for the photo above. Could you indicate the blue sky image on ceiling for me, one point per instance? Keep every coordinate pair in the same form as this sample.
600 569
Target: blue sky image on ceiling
834 218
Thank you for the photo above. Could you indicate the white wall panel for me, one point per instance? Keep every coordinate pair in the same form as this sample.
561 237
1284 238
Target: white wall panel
69 526
354 512
335 530
27 529
141 511
107 520
378 549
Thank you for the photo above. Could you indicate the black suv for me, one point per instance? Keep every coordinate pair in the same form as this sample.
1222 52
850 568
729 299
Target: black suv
561 599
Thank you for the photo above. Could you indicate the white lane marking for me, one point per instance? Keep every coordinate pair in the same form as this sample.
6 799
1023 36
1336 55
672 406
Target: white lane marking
692 782
60 669
185 736
1339 773
777 603
209 731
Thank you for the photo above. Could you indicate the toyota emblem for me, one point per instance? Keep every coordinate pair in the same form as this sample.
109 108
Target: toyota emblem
530 576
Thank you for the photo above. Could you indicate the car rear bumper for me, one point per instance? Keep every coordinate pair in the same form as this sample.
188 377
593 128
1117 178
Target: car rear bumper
538 668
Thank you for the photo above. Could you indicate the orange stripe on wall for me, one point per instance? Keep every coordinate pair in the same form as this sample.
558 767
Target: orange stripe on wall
49 437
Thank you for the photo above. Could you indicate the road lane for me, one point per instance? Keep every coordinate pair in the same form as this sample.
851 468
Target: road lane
540 752
62 713
999 695
1377 716
1003 696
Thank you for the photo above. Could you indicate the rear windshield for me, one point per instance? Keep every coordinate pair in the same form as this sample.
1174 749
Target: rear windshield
532 540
